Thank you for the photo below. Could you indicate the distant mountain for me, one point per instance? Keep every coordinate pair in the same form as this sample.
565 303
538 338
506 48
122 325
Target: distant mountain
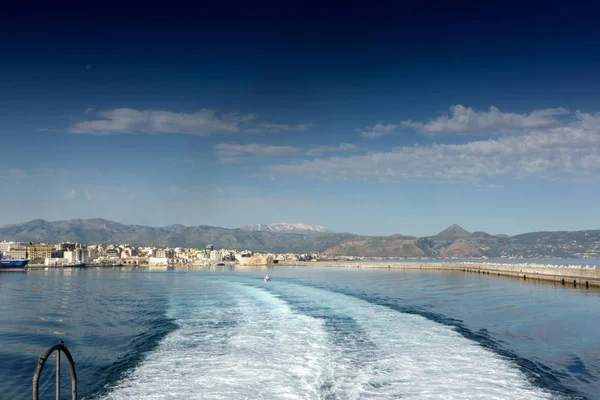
453 232
283 227
300 238
378 246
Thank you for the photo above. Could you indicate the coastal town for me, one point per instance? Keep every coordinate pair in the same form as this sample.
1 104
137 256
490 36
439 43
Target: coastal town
67 254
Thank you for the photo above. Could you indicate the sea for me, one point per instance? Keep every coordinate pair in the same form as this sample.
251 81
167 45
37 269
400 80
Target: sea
309 333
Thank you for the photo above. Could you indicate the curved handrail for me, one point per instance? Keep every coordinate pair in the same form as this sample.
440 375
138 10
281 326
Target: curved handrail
36 377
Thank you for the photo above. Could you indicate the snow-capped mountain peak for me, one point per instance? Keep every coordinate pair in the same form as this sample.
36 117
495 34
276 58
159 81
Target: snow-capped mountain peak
284 227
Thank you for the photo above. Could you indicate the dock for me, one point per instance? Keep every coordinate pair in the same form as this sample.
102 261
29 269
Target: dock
573 276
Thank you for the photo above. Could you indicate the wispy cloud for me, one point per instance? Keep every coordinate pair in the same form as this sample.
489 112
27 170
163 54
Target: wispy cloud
467 121
72 195
343 147
571 150
203 123
282 127
233 152
12 173
378 130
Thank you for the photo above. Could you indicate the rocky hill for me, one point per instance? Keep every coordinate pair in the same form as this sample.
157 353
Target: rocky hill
299 238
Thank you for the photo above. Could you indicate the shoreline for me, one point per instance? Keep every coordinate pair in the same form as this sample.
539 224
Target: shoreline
565 276
573 276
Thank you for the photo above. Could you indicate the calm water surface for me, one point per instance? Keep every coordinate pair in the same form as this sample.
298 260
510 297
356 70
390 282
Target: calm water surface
310 333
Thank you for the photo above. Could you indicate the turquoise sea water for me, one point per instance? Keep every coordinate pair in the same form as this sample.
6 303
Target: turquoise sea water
310 333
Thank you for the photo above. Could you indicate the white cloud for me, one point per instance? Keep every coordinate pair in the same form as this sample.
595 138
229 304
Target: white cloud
467 121
378 130
233 152
331 149
281 127
571 151
87 194
204 122
72 194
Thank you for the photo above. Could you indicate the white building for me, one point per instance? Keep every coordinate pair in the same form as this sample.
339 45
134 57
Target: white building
76 256
216 255
54 262
16 253
158 260
7 246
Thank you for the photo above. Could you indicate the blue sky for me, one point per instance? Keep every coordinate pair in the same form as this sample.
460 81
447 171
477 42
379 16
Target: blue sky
369 118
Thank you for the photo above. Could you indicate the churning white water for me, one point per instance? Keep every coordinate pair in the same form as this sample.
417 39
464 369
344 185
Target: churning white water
240 339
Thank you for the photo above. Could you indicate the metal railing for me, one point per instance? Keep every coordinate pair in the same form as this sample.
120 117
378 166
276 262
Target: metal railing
36 377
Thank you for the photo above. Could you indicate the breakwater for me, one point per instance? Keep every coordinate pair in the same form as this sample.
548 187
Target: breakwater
567 275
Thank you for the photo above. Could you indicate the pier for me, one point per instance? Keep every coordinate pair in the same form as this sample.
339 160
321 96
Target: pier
573 276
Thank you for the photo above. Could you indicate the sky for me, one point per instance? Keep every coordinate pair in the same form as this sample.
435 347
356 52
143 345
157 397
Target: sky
368 117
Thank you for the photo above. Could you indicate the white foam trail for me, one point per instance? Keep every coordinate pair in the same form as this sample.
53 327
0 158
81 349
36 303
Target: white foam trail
258 347
411 357
263 351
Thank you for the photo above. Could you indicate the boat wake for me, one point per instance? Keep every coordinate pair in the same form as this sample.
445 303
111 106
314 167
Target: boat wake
240 339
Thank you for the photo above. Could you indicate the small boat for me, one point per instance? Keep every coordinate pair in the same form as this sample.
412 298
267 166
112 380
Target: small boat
267 278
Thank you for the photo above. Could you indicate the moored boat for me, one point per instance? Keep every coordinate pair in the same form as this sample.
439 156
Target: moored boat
7 264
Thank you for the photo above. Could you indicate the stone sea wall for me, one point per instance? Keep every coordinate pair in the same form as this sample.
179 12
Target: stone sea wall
567 275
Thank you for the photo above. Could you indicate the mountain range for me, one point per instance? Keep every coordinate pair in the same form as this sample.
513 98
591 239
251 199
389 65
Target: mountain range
300 238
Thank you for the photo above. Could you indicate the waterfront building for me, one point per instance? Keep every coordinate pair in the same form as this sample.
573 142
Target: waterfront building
6 246
76 256
40 251
216 255
158 261
257 259
16 253
164 253
113 253
54 261
92 252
